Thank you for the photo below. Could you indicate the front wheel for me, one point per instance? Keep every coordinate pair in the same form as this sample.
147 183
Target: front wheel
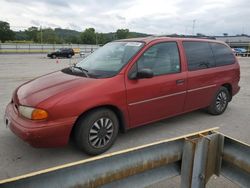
96 131
220 102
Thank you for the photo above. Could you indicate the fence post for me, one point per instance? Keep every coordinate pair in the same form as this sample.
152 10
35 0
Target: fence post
201 159
187 164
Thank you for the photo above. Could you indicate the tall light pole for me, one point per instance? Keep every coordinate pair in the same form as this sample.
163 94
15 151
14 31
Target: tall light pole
96 38
41 34
193 26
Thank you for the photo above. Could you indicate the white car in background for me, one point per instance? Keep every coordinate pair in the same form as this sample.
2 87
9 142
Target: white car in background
84 54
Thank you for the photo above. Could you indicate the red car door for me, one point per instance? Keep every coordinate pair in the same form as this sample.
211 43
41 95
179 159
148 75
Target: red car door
161 96
201 83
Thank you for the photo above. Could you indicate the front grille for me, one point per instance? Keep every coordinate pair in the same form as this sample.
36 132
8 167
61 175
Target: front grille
16 107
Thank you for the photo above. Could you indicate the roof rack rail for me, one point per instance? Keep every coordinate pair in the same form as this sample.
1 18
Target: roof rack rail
187 36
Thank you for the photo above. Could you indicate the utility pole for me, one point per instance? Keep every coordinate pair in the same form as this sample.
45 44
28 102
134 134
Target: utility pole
41 34
96 38
193 27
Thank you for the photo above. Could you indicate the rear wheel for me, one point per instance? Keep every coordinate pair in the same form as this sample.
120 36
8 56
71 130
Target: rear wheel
53 56
220 102
69 55
96 132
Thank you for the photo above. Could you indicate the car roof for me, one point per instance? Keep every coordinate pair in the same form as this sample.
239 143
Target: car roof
163 39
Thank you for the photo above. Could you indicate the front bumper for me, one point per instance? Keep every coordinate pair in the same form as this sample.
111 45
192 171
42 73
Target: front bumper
39 133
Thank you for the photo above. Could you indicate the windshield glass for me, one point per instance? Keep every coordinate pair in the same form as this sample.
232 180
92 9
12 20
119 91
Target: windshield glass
108 60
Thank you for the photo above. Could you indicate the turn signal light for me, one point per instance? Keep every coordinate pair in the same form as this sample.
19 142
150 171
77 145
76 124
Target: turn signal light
39 114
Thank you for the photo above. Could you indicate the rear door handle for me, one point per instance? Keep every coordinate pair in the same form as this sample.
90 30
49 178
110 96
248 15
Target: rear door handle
181 81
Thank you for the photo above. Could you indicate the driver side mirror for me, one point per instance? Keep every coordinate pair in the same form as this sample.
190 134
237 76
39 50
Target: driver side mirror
143 73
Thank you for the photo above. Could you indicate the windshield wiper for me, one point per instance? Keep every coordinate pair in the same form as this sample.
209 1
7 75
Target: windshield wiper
85 71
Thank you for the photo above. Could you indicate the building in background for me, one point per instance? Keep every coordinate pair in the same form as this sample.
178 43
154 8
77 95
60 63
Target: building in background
241 41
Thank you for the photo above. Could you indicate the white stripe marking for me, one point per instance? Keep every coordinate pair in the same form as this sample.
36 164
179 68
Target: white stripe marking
157 98
199 88
170 95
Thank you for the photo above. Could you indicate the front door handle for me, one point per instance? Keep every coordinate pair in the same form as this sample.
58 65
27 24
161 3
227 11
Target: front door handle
179 82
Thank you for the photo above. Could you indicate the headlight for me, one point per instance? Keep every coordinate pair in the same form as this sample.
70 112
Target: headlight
32 113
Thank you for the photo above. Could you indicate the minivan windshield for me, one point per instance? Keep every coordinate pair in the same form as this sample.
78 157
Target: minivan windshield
108 60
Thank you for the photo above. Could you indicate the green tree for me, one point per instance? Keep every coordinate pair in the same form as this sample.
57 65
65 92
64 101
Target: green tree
72 39
101 38
48 35
88 36
200 35
5 32
122 33
32 33
21 35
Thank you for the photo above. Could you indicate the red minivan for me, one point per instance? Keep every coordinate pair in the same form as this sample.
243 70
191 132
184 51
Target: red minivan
124 84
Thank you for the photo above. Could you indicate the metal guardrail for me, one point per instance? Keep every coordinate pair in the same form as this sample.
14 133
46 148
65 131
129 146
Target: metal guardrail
44 48
195 157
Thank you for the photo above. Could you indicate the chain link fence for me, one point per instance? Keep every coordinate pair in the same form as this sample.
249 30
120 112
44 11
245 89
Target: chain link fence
44 48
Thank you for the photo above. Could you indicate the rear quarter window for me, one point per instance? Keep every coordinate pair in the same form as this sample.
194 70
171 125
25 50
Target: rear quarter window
199 55
223 55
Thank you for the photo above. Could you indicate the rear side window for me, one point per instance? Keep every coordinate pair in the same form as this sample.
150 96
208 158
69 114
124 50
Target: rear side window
223 55
199 55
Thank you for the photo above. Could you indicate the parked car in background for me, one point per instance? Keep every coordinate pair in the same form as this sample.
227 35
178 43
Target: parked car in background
84 54
62 52
240 51
124 84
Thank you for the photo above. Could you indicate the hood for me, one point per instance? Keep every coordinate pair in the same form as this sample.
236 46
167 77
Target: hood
35 91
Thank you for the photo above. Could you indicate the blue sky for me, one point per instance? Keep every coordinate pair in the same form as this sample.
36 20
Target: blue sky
212 17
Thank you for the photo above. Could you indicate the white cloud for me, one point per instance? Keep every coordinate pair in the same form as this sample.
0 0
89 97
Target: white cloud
156 17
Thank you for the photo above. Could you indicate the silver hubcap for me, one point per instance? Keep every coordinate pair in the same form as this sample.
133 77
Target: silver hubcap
221 101
101 132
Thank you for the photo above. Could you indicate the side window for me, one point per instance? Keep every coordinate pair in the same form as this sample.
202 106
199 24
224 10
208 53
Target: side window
162 58
199 55
223 55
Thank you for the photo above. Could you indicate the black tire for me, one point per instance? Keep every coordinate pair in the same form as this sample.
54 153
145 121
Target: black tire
53 56
86 129
69 56
220 102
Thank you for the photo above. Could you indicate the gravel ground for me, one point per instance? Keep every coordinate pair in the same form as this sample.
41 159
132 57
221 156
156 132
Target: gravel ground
17 157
